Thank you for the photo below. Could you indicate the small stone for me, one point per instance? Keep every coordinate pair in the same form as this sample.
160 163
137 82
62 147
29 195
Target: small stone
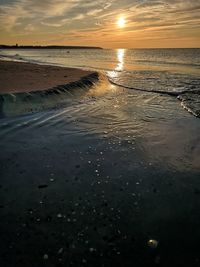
152 243
59 215
60 251
45 257
91 249
30 211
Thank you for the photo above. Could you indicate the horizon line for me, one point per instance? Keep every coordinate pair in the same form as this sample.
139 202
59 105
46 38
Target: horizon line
86 46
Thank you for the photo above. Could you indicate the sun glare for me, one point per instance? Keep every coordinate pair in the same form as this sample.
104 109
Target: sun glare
121 22
120 58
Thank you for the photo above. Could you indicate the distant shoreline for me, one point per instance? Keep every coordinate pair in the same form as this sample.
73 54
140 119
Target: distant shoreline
86 47
46 47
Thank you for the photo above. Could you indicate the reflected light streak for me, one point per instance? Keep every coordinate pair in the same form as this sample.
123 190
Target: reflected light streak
120 58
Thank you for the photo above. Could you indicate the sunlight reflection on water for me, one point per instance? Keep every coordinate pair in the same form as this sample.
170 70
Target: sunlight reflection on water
120 57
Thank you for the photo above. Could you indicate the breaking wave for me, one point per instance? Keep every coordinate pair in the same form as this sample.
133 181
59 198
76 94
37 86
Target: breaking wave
184 87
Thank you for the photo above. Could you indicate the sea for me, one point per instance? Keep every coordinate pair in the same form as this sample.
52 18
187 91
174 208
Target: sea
167 71
105 174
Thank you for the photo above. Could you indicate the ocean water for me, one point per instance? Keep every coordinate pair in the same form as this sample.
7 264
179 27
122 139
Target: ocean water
168 71
140 93
90 175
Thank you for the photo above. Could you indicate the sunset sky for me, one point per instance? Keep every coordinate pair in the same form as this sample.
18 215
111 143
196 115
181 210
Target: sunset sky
105 23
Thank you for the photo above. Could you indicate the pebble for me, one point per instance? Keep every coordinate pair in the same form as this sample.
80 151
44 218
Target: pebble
152 243
60 251
84 261
45 256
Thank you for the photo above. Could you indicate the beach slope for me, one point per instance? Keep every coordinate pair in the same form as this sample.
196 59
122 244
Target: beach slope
18 77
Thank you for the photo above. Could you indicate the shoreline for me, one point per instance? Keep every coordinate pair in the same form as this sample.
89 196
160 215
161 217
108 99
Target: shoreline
21 77
83 168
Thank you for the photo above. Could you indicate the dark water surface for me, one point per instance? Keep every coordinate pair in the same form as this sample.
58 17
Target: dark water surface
170 71
88 178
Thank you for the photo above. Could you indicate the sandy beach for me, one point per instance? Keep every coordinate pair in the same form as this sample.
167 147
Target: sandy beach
95 175
26 77
99 133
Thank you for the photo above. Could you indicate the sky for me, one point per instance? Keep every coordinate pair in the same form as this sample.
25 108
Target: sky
147 23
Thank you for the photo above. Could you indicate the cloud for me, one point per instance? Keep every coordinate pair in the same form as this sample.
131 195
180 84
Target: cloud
88 16
51 24
30 28
35 10
165 12
94 12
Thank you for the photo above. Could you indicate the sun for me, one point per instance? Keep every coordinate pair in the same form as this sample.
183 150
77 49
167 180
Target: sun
121 22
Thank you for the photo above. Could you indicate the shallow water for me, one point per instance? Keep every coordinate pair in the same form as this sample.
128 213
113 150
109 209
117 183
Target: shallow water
88 178
172 71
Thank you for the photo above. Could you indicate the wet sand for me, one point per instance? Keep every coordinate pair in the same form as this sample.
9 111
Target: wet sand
27 77
75 198
91 183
